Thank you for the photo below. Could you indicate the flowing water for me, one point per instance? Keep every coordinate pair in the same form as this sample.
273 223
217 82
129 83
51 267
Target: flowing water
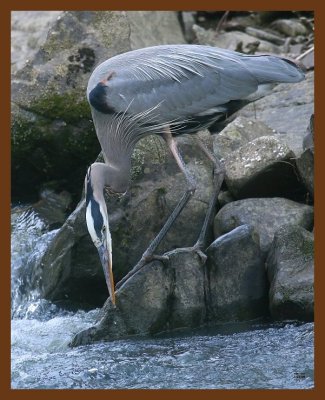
228 356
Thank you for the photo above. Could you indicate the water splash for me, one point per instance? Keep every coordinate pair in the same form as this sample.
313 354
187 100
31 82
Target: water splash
29 239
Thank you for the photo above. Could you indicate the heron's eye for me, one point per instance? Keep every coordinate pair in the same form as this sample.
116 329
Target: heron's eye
104 229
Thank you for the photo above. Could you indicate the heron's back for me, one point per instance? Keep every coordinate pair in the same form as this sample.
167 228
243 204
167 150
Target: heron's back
182 82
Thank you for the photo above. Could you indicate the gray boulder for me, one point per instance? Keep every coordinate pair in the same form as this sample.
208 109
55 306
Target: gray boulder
150 28
188 302
287 110
236 276
265 215
263 167
237 133
290 267
28 32
155 299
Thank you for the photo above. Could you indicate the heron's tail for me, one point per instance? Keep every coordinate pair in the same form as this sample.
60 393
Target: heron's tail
269 69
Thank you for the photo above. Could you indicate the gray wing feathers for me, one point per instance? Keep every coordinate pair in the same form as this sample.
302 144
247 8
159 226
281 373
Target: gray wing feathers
187 79
267 69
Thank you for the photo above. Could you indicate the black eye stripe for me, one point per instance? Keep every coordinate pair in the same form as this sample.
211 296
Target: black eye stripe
97 217
98 99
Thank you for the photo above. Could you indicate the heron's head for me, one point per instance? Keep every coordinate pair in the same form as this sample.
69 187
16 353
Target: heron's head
97 223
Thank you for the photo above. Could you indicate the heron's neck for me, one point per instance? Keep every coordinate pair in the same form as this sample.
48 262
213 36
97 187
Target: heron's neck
118 136
116 177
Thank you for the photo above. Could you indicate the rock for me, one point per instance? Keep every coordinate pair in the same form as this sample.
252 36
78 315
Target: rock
305 166
290 27
188 302
224 198
261 34
28 32
237 133
265 215
71 268
53 207
239 22
155 299
265 17
234 40
53 137
308 142
286 110
237 277
187 21
290 267
305 163
150 28
263 167
141 307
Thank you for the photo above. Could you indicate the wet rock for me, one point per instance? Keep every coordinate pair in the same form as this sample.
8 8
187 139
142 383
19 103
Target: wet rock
235 40
290 27
265 159
237 133
53 207
286 110
188 303
237 277
265 215
141 307
155 299
53 136
290 267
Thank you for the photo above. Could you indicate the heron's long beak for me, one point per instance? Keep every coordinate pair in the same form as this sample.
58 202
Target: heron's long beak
105 254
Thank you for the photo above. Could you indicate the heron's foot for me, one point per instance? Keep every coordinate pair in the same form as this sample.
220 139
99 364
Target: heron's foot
148 258
197 248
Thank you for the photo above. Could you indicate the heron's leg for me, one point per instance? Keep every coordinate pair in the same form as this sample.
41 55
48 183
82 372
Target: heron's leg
148 255
218 176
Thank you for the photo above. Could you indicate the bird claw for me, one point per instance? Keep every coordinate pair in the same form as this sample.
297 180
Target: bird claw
163 258
197 249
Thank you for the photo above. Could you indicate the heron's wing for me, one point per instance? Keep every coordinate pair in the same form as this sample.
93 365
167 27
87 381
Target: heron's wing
184 80
156 85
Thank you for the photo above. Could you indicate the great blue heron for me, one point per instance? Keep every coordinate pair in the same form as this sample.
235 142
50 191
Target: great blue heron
165 90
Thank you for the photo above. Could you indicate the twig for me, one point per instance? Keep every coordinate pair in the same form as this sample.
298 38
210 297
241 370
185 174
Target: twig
222 20
304 54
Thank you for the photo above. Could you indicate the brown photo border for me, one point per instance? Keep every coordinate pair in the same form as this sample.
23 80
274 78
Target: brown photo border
5 381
